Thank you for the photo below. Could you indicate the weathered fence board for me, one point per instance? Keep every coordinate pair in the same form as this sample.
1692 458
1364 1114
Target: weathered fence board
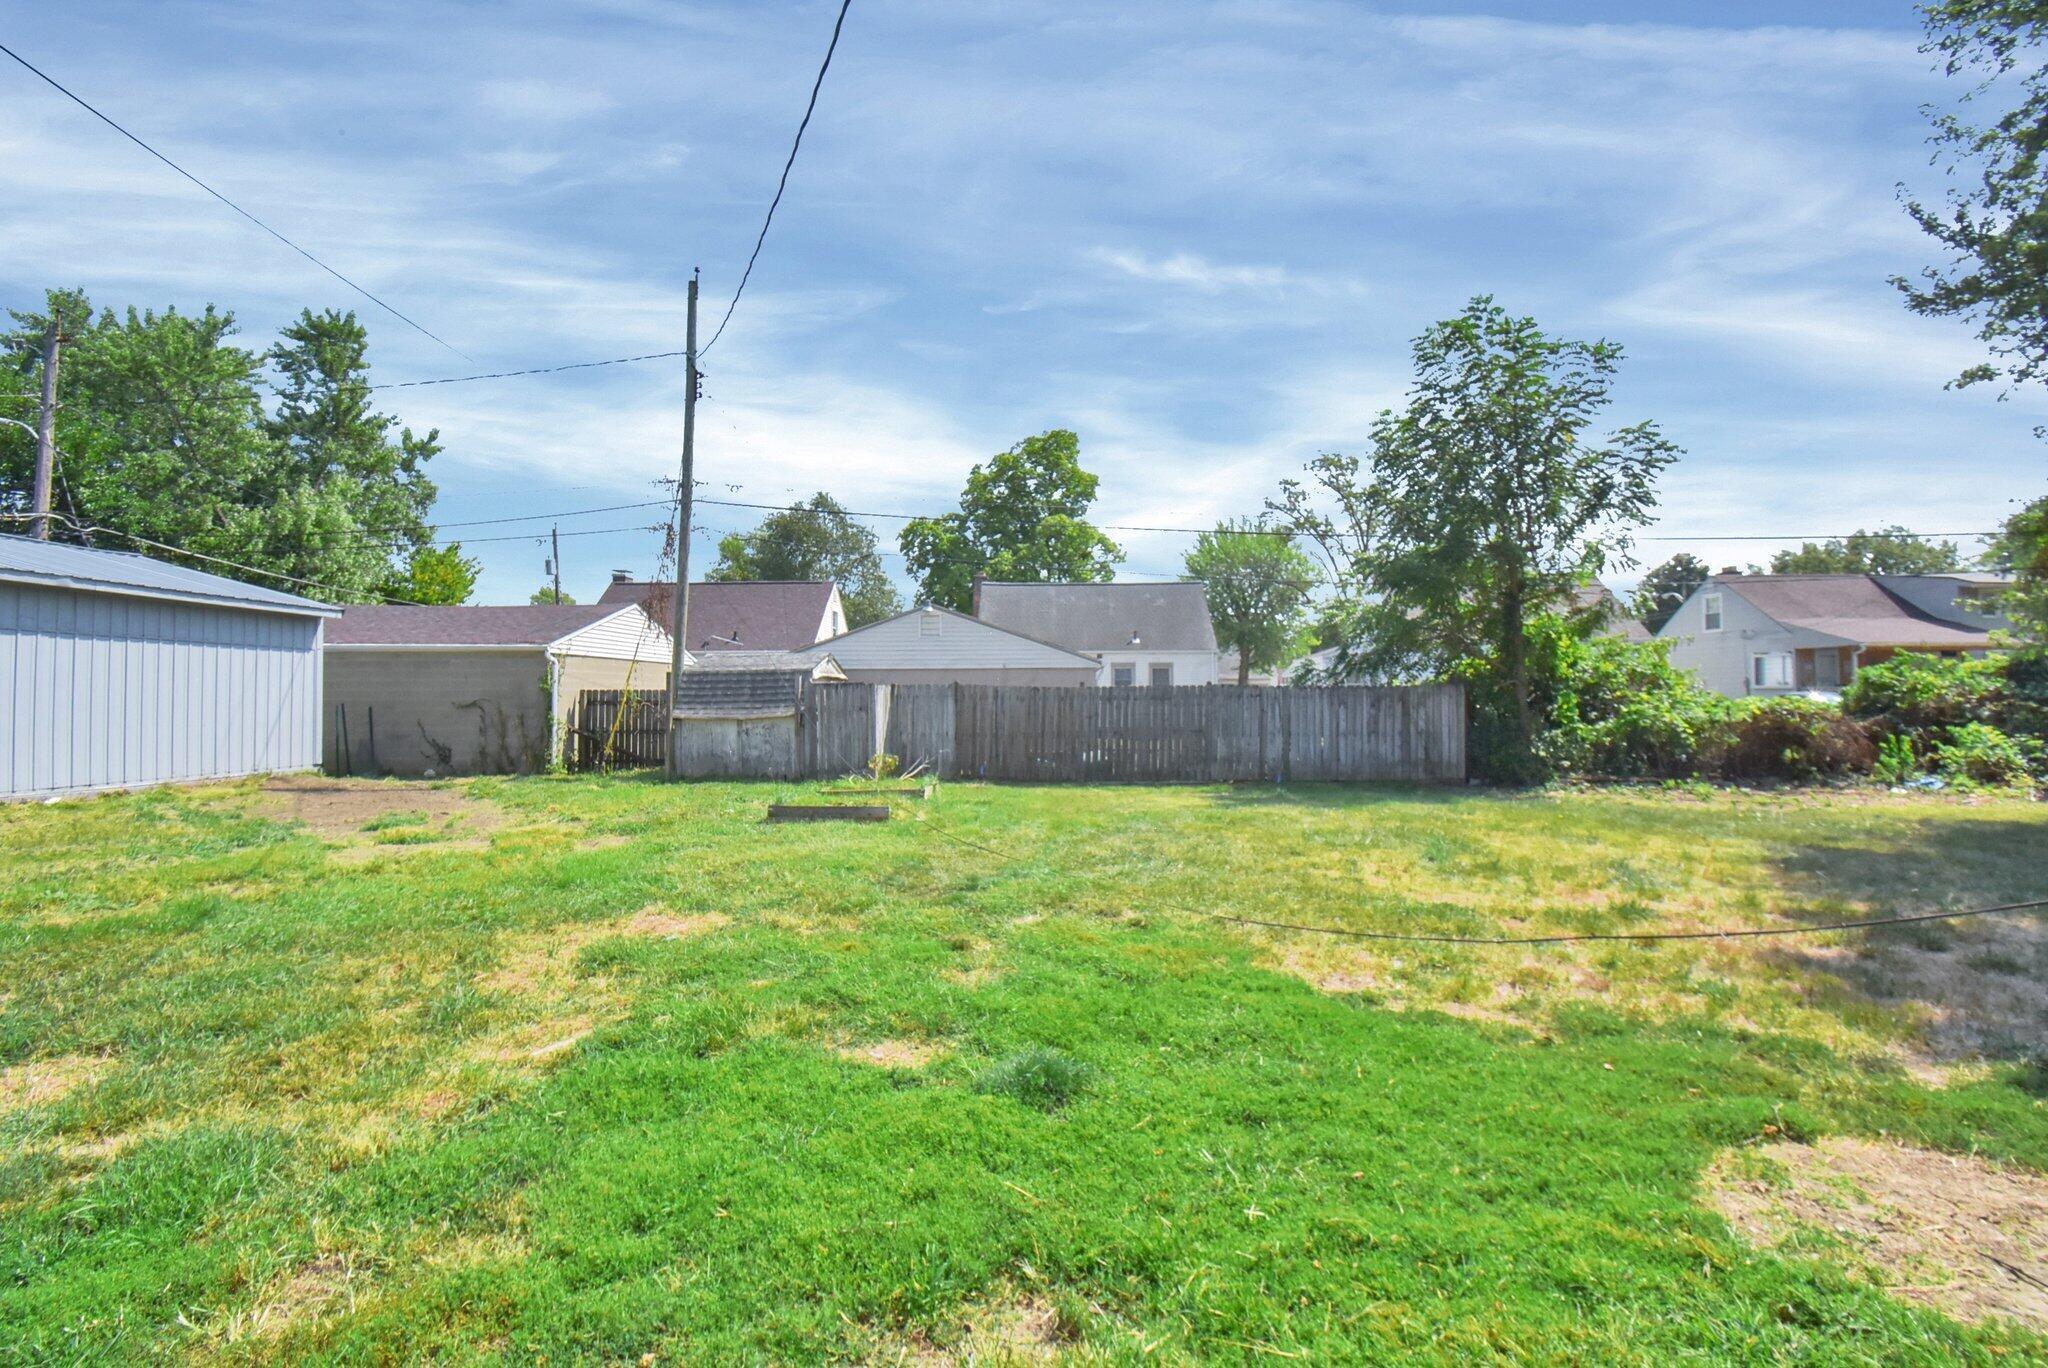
1203 733
599 738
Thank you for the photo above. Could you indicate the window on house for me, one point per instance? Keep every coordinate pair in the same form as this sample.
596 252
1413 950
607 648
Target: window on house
1710 608
1162 675
1773 671
1123 676
836 629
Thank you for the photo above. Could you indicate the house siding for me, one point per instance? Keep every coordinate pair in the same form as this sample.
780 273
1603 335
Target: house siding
107 691
1721 660
626 636
1189 667
954 648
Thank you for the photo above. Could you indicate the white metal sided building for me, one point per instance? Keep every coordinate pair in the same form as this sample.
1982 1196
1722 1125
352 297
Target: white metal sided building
120 671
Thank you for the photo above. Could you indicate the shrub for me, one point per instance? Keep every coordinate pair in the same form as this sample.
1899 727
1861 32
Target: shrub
1978 755
1792 738
1923 693
1896 762
1622 710
1044 1079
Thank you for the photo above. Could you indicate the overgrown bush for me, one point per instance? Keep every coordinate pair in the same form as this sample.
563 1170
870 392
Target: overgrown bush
1791 738
1620 709
1925 693
1896 760
1977 755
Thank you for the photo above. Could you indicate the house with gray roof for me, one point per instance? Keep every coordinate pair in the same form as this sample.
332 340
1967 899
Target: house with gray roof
1137 634
933 645
742 615
476 689
120 670
1783 634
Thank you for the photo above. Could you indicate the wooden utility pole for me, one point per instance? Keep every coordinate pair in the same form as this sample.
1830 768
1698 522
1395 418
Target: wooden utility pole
46 430
555 561
679 599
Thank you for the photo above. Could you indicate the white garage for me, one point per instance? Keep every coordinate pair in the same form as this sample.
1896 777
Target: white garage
120 671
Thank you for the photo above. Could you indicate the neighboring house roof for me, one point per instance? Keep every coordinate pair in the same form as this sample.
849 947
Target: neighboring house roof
757 660
1853 608
772 687
944 639
1618 620
25 560
1102 617
742 615
466 624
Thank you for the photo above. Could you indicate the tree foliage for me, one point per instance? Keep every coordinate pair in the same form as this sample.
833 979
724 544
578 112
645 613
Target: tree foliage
163 434
1666 587
1022 516
546 594
435 574
2021 550
1494 501
1258 587
1887 551
815 540
1995 220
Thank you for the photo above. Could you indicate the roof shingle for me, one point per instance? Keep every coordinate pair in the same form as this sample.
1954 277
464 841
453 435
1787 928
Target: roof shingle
1102 617
465 624
741 615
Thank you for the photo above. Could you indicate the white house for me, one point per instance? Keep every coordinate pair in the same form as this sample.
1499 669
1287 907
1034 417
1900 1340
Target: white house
939 646
1781 634
1137 634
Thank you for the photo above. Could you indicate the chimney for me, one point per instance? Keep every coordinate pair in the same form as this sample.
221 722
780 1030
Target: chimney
974 603
622 577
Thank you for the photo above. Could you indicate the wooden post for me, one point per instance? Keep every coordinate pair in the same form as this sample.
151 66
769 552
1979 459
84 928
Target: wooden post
679 607
46 431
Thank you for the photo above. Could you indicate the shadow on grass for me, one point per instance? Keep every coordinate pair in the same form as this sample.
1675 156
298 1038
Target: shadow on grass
1977 987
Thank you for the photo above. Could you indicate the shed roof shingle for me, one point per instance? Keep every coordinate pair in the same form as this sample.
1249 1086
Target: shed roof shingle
1103 617
25 559
741 615
465 624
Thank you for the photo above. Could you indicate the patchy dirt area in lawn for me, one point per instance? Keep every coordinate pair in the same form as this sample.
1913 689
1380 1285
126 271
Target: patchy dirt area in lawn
892 1054
41 1081
1978 988
1958 1234
341 809
1009 1329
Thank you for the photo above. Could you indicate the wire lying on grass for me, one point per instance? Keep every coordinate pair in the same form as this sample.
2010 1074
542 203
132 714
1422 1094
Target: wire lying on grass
1564 938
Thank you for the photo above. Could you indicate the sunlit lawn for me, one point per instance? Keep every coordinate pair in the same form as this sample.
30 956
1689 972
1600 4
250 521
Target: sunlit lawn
602 1068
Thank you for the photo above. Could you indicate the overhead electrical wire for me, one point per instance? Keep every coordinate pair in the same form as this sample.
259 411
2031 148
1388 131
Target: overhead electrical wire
80 101
783 183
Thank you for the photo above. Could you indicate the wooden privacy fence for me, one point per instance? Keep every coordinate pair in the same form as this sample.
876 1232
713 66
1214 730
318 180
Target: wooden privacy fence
1215 733
637 739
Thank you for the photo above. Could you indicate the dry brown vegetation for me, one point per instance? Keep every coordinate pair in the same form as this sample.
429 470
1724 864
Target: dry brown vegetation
1956 1233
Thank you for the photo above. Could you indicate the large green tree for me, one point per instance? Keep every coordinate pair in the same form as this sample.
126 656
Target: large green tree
435 574
1258 583
1994 221
815 540
1022 516
1666 587
1887 551
2021 550
1497 499
163 435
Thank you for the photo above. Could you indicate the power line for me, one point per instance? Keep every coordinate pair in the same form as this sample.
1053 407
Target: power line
1567 938
536 370
52 82
782 184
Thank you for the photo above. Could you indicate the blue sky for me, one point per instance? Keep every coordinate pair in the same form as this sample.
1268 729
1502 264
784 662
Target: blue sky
1200 234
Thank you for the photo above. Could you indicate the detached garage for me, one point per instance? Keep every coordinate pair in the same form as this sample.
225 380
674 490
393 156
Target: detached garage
119 671
476 690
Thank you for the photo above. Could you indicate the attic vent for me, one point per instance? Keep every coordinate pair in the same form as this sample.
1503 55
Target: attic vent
928 623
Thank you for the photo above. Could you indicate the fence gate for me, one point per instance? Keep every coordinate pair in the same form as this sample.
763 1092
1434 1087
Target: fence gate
617 729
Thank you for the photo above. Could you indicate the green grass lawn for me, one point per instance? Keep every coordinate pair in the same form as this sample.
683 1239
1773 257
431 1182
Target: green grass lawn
601 1068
